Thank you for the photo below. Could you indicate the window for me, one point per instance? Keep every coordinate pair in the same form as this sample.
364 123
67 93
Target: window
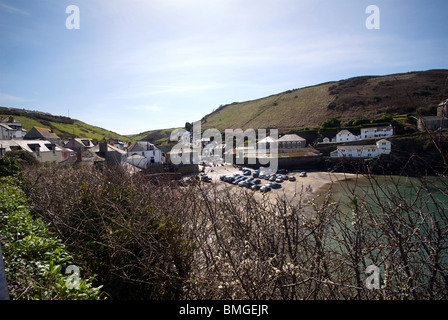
34 147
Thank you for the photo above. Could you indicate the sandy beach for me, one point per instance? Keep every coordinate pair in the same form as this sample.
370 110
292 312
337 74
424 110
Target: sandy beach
318 183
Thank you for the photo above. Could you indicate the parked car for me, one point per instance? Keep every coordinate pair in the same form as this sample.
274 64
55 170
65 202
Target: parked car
242 183
276 185
292 178
303 174
265 189
256 187
222 177
249 185
246 172
279 180
272 178
284 177
257 181
230 179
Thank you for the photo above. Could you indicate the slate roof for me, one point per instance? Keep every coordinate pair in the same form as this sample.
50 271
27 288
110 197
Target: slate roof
291 137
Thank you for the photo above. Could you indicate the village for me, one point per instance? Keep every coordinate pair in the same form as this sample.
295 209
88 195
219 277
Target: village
292 151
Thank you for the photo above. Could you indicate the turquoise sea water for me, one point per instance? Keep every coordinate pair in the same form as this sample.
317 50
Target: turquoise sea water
428 193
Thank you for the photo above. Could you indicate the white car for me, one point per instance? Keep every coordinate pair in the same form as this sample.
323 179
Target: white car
303 174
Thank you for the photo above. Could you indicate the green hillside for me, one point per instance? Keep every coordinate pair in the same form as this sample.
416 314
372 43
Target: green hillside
360 97
63 126
158 137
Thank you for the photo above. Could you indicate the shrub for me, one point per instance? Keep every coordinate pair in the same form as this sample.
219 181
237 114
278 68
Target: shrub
331 123
35 261
112 222
9 167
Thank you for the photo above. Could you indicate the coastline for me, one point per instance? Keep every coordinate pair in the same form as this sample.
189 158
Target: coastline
320 183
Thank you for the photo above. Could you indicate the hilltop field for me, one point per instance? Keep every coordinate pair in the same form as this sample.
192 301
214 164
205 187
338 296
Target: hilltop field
359 97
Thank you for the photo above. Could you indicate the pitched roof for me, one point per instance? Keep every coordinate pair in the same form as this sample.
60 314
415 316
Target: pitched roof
372 129
344 132
142 146
45 133
358 147
136 156
291 137
268 139
6 127
27 145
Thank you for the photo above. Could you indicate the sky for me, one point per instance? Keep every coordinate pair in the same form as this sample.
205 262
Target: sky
131 66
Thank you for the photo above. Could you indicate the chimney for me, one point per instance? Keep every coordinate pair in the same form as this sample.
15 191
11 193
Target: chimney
79 155
73 142
103 147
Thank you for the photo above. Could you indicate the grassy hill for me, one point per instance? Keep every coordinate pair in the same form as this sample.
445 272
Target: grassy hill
359 97
63 126
158 137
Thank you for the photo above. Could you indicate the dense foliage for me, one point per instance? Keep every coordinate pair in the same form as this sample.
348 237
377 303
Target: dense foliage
164 240
35 261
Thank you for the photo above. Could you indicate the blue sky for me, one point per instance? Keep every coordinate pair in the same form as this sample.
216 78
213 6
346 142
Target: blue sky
138 65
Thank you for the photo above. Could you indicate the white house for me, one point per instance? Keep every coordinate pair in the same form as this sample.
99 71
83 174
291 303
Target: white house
5 131
152 154
366 133
377 132
43 150
11 129
346 136
363 151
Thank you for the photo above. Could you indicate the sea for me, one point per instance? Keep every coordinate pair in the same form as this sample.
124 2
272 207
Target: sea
427 193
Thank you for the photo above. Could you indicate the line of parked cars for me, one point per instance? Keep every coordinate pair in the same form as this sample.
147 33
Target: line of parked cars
253 180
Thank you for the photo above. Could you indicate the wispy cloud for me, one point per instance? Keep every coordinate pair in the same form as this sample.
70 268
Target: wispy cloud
11 9
10 98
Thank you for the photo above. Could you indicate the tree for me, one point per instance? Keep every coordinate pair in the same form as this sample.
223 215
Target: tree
331 123
9 166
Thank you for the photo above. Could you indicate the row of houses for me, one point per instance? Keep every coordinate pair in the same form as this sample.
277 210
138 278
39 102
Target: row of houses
382 146
49 147
366 133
